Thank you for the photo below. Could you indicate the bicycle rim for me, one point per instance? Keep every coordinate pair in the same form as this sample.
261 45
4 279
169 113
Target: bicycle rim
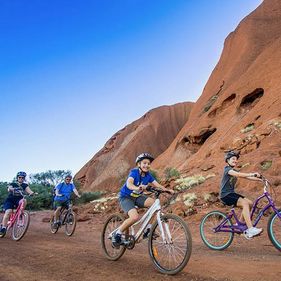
215 240
70 223
274 230
20 226
172 255
112 253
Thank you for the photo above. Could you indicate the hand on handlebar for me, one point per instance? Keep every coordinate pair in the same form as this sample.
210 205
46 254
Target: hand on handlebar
142 187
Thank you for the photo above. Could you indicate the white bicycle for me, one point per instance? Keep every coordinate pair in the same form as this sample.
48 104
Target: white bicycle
169 239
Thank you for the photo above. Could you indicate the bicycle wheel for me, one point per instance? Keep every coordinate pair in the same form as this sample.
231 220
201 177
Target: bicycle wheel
54 227
20 225
274 230
172 255
70 223
215 240
112 253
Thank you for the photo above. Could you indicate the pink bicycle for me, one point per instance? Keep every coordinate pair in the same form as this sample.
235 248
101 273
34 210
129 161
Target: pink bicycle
18 222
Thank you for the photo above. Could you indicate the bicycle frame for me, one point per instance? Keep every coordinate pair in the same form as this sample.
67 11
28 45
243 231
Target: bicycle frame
241 227
16 214
144 220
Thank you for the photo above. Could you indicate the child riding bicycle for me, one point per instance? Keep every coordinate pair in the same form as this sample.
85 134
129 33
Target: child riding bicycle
15 190
131 194
63 193
230 198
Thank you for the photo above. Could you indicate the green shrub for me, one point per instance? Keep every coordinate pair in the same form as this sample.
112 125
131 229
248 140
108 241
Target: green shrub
210 102
171 173
89 196
265 165
154 174
248 128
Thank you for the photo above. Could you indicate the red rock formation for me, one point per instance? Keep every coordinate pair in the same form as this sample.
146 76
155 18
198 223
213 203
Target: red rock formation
240 107
153 133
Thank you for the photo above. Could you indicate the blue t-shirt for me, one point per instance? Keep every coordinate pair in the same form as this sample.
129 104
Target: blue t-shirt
18 189
65 190
138 180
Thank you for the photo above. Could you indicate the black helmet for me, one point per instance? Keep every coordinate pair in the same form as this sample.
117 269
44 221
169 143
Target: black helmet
144 156
21 174
230 154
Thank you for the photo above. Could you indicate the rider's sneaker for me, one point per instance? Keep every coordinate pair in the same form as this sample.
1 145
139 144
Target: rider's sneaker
3 231
116 239
252 231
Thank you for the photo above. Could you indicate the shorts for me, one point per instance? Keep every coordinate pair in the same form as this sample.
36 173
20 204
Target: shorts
129 203
64 203
231 199
12 202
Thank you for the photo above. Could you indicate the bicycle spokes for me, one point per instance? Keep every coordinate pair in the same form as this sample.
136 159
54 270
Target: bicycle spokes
211 233
20 225
172 253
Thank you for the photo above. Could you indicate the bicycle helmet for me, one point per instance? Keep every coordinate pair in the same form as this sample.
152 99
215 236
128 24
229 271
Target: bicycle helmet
68 176
230 154
144 155
21 174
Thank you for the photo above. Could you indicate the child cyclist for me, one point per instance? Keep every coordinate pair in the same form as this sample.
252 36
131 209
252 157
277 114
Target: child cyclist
131 194
15 190
63 193
228 195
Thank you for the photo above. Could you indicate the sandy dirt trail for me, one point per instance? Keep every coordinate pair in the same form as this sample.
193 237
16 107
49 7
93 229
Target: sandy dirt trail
43 256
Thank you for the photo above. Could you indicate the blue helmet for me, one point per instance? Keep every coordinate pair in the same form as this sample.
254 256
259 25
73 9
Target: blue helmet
21 174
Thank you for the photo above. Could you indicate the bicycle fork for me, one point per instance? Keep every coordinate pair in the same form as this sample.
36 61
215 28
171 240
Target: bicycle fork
165 231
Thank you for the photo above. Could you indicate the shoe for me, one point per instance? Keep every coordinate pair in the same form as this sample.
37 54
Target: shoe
3 231
116 240
146 233
252 231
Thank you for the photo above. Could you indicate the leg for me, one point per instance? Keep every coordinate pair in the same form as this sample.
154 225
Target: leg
133 217
241 218
56 214
6 217
148 202
244 204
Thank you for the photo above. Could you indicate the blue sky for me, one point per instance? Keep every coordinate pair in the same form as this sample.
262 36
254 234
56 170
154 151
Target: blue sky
72 73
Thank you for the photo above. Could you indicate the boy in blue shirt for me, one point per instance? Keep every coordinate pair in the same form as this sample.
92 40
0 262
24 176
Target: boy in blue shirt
63 193
131 194
15 190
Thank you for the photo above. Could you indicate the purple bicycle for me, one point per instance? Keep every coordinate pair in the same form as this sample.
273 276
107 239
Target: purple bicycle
217 229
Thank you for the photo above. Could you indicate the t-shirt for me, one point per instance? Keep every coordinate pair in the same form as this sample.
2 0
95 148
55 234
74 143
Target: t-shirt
227 182
138 180
65 190
18 189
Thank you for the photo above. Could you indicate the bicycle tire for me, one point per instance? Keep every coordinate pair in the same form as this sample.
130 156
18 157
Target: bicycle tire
54 228
112 253
274 233
70 223
182 246
22 221
207 232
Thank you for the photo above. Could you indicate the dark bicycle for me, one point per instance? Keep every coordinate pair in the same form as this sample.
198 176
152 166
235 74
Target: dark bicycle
67 217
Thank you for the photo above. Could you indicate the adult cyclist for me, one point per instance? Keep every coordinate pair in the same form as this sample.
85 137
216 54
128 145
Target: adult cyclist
63 193
15 190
